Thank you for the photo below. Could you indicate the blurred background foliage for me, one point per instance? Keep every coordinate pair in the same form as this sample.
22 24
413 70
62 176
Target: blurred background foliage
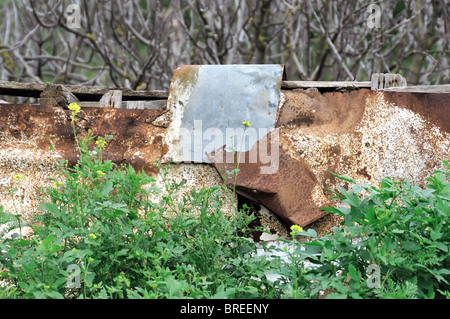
138 44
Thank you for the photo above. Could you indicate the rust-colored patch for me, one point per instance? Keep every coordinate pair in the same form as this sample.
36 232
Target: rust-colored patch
135 141
316 113
27 131
435 107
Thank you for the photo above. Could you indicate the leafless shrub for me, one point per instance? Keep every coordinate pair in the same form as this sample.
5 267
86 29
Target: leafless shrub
138 44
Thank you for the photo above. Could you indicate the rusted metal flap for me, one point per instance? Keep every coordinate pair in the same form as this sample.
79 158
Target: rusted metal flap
274 176
210 102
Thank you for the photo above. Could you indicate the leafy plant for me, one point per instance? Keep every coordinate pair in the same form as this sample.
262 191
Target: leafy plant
99 218
100 235
400 228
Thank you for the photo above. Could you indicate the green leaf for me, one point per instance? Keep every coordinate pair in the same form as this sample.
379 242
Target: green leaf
410 246
53 208
354 273
334 210
370 214
39 295
54 295
223 293
336 295
309 233
435 233
107 188
347 179
46 242
441 246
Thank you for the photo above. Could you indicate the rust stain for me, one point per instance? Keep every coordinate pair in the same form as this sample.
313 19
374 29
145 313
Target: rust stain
368 135
135 141
435 107
27 131
317 113
362 134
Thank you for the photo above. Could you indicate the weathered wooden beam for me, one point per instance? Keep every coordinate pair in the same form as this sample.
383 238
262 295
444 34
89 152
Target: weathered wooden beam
112 99
56 95
324 84
381 81
443 88
148 105
83 93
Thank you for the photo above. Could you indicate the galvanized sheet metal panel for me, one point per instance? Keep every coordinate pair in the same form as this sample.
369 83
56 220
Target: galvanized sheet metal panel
210 102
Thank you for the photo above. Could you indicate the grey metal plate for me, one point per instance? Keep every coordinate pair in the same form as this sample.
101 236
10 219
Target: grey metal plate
210 102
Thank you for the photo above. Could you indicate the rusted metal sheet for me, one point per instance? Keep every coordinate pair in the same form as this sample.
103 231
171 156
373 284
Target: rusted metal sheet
290 190
433 106
367 135
26 132
135 140
362 134
210 102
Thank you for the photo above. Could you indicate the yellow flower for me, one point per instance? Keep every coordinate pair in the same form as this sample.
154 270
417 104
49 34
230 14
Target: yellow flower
17 177
92 236
100 142
74 250
296 228
56 184
74 107
246 124
100 173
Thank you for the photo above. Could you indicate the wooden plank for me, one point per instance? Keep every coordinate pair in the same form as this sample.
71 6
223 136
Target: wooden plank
152 105
84 93
381 81
443 88
324 84
112 99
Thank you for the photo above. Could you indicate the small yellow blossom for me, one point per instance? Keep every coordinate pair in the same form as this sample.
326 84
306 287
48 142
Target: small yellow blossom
246 124
74 107
100 173
92 236
56 184
100 142
17 177
74 250
296 228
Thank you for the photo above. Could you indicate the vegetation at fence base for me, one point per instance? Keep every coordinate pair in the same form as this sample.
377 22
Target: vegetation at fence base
102 234
101 218
394 243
